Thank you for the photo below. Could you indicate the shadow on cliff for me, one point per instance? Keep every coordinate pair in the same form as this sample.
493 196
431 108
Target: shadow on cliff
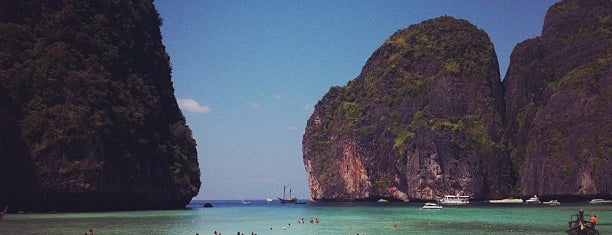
16 166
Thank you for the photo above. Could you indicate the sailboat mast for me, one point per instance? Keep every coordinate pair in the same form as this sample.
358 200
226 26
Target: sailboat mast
284 188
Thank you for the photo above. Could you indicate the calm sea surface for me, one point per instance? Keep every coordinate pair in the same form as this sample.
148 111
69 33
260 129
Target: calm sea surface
260 217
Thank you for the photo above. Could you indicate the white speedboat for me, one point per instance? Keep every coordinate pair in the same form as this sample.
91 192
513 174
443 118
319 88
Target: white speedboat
454 200
600 201
431 205
533 200
507 201
552 203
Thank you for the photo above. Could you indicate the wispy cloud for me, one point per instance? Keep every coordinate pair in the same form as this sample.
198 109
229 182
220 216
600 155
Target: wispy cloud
254 105
308 107
192 106
277 96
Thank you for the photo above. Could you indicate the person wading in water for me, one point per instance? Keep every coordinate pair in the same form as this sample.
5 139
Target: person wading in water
3 212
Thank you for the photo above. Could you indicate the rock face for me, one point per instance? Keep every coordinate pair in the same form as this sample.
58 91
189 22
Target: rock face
558 103
88 116
423 119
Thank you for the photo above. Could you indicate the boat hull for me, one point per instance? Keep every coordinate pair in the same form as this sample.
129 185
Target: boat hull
532 202
453 200
585 230
453 203
288 200
507 201
432 206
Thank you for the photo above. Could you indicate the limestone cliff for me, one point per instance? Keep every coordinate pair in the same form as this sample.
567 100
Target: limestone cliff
88 117
558 97
423 119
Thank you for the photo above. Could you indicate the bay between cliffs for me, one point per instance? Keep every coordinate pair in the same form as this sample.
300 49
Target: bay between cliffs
260 217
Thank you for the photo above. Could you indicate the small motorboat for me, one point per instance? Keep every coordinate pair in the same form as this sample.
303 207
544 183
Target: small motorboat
431 205
552 203
533 200
600 201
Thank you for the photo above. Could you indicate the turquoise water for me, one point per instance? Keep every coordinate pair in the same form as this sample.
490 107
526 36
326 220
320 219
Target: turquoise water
230 217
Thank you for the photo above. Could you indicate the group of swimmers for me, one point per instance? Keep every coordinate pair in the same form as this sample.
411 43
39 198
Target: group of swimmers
301 221
239 233
312 221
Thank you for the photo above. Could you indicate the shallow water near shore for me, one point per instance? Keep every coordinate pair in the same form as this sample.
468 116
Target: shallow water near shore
260 217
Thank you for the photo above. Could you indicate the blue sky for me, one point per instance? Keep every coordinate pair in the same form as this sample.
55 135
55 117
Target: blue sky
247 74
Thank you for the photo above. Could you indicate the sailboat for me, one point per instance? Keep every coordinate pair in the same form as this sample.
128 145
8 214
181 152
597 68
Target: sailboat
290 199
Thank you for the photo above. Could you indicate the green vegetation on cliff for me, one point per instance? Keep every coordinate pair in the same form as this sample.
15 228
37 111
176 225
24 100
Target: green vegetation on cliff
97 112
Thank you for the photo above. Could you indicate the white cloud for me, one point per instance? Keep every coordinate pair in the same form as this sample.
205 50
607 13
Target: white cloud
254 105
308 107
277 96
192 106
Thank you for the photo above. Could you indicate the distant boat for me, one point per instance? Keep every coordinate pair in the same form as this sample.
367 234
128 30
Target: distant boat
287 200
600 201
533 200
269 200
454 200
382 200
431 205
552 203
507 201
245 202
